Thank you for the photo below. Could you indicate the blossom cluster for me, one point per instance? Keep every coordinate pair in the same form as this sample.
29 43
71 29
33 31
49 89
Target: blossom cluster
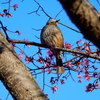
6 12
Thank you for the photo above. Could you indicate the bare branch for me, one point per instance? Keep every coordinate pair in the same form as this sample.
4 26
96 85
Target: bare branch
7 96
61 49
38 10
41 45
22 0
98 2
69 27
9 5
42 9
36 29
4 2
58 13
4 29
35 12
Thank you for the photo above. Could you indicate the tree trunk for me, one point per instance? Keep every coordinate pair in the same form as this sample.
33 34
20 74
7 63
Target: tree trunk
85 17
15 76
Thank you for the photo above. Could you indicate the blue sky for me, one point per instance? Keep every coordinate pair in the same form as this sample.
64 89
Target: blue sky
24 23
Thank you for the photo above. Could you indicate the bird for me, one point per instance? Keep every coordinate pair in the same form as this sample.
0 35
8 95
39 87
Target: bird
52 36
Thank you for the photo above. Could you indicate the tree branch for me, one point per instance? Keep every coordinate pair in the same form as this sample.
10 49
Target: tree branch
15 76
85 17
61 49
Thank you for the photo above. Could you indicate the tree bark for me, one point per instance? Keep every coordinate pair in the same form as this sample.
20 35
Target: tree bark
85 17
15 76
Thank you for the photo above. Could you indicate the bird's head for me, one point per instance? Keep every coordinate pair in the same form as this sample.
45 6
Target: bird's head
52 22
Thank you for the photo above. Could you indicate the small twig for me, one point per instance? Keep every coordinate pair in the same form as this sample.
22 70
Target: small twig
71 76
4 2
11 31
37 37
36 29
21 50
4 29
9 5
34 12
98 2
58 13
7 96
22 0
42 9
69 27
43 80
34 64
71 59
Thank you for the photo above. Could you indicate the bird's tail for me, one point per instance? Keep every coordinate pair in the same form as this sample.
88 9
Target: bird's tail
60 68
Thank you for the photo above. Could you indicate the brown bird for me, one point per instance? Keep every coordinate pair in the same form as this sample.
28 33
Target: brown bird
51 36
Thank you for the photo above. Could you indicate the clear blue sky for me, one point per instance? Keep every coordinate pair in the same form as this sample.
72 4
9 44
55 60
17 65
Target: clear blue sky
24 22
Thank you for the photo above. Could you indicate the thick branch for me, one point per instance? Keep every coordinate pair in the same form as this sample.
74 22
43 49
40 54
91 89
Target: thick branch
62 49
15 76
85 17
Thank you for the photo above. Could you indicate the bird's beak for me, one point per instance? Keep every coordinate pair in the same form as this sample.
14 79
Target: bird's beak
58 20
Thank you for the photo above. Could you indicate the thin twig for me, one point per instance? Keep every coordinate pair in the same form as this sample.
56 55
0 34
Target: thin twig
36 29
98 2
7 96
71 76
22 0
37 37
21 50
43 80
71 59
42 9
58 13
9 5
11 31
69 27
4 29
4 2
34 12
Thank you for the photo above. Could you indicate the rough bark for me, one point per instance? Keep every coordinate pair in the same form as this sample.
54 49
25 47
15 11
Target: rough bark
85 17
15 76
